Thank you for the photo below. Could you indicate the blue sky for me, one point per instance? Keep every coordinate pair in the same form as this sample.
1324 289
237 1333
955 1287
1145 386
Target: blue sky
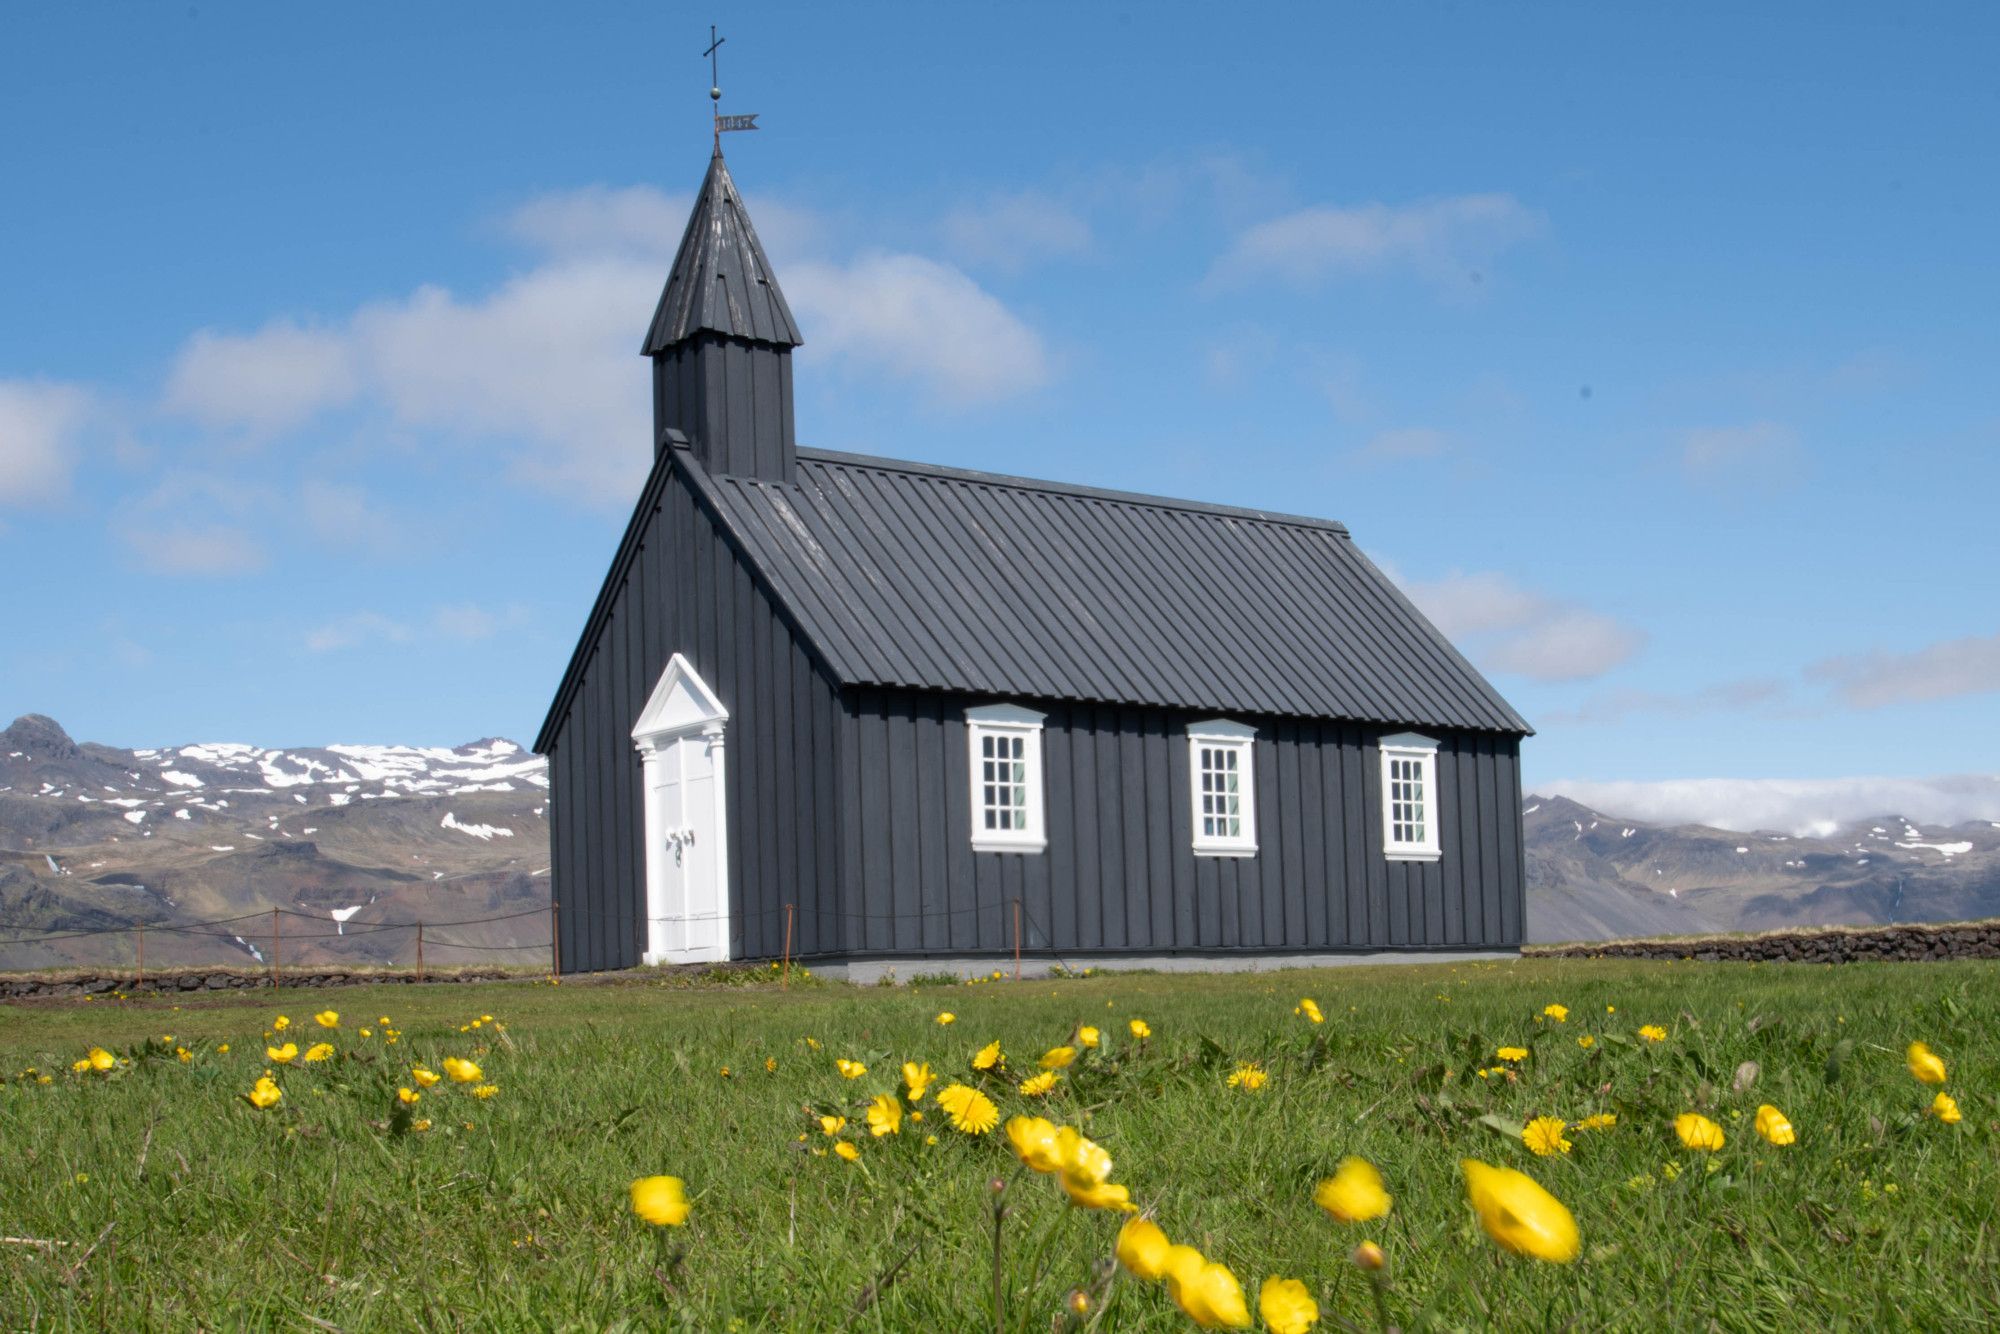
1652 348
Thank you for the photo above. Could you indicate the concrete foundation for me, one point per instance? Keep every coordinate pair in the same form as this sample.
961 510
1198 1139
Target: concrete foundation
866 972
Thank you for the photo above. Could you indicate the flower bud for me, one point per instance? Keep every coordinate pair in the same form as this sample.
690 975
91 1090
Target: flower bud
1079 1302
1369 1256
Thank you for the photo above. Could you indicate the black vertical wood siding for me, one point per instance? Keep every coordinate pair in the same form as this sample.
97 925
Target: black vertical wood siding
686 590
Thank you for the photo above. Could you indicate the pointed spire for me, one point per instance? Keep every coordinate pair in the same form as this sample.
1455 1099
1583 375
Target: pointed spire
721 281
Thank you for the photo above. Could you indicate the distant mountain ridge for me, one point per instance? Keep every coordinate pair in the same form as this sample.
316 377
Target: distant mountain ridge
353 837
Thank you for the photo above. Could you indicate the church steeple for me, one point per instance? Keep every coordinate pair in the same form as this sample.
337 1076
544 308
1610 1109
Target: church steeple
721 342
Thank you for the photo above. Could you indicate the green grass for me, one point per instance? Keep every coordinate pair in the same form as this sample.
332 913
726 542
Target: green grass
204 1212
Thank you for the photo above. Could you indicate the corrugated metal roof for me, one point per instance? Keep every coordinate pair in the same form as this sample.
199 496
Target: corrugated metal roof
933 578
721 282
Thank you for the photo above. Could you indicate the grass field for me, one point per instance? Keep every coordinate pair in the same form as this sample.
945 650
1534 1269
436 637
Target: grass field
154 1195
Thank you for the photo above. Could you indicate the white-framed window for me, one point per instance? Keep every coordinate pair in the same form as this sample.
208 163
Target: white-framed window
1004 745
1409 798
1222 784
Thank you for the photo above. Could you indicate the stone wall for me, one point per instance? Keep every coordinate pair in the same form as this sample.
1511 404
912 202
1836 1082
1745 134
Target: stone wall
24 986
1914 943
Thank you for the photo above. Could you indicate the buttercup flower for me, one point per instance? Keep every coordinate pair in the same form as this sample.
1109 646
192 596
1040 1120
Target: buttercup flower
1773 1126
1140 1029
1544 1135
1945 1108
319 1051
1925 1064
989 1056
832 1125
1518 1214
1512 1053
1286 1306
1598 1121
462 1072
847 1150
971 1112
1142 1248
851 1069
1088 1036
408 1096
1034 1141
1102 1195
1368 1256
1697 1131
425 1078
885 1115
281 1023
1309 1007
485 1090
947 1017
327 1019
265 1093
1210 1296
1559 1013
917 1078
1586 1042
1353 1194
661 1201
100 1059
1034 1086
1653 1033
1057 1058
284 1055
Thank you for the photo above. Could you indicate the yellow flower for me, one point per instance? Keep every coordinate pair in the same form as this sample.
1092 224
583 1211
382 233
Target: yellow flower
1368 1256
1034 1086
1140 1029
1089 1036
1083 1160
1142 1248
184 1054
971 1112
284 1055
885 1115
485 1090
367 1032
832 1125
319 1051
1098 1195
462 1072
1559 1013
1653 1033
1945 1108
661 1201
1310 1009
281 1023
223 1049
327 1019
1925 1065
947 1017
1544 1135
851 1069
424 1077
1518 1214
1180 1267
384 1021
1034 1142
989 1056
421 1124
1210 1296
1773 1126
770 1065
1697 1131
1286 1306
1586 1042
1600 1121
265 1093
1353 1194
1512 1053
847 1150
813 1043
917 1078
81 1063
408 1096
1056 1058
100 1059
1248 1076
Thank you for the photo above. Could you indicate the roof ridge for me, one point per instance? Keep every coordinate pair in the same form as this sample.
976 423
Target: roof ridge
1075 489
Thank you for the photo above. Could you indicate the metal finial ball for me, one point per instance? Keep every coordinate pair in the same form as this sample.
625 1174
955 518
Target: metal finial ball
715 94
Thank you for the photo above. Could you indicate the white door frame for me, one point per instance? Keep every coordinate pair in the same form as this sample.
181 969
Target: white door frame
687 875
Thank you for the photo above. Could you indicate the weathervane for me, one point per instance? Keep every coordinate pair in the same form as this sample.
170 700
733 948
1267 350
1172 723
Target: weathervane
722 123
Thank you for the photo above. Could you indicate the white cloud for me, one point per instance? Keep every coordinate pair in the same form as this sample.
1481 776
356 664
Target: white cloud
1009 232
1945 670
345 517
600 219
918 320
1513 629
39 426
1441 239
1807 806
194 547
1761 456
1615 705
264 382
460 622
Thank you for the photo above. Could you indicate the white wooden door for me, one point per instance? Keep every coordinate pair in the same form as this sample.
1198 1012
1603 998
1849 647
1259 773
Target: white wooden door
680 740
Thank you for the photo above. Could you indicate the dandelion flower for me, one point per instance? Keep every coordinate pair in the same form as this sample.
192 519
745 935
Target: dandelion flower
1925 1064
327 1019
1034 1141
1653 1033
1140 1029
1310 1009
1945 1108
284 1055
847 1150
1249 1076
661 1201
1544 1135
281 1023
425 1078
1697 1131
462 1072
989 1056
947 1017
971 1112
1353 1194
1057 1058
1089 1036
1773 1126
1559 1013
1142 1248
1597 1121
1586 1042
100 1059
485 1090
1286 1306
850 1069
1518 1214
885 1115
770 1065
1512 1053
408 1096
319 1051
832 1125
265 1093
917 1078
183 1054
1034 1086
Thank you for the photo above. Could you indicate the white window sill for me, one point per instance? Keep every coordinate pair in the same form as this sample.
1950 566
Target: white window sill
1413 855
1226 850
1009 845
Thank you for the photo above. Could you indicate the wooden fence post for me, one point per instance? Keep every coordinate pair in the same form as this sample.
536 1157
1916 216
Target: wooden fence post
420 951
1017 940
276 941
785 978
140 984
555 939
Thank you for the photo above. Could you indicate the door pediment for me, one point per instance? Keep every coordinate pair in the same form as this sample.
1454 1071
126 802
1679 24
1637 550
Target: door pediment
681 701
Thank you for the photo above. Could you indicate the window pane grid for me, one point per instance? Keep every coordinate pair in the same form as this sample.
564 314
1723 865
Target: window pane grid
1221 792
1003 776
1407 803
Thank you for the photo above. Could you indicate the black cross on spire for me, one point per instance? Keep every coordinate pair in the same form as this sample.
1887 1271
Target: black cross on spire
722 122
